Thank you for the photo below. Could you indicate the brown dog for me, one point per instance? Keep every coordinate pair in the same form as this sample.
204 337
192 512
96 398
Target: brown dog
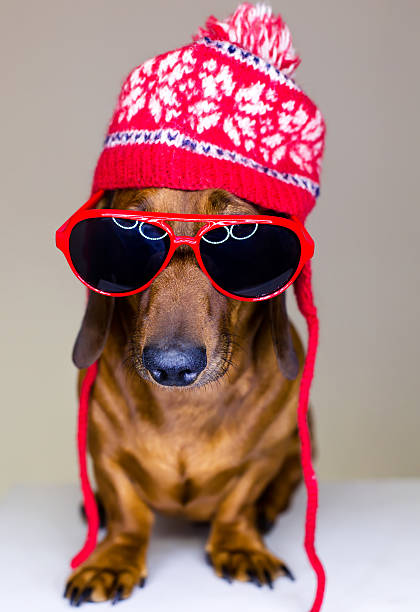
193 412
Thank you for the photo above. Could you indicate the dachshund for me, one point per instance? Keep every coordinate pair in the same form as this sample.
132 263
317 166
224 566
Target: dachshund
193 412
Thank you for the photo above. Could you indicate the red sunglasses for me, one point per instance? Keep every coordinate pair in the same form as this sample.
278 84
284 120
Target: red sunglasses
245 257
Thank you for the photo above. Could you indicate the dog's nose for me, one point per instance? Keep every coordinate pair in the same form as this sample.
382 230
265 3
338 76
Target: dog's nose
177 365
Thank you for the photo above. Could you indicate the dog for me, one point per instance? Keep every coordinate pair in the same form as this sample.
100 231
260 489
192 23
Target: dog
193 412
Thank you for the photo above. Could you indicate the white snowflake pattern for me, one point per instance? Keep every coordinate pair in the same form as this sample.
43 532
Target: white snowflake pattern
215 85
211 97
160 93
296 136
241 126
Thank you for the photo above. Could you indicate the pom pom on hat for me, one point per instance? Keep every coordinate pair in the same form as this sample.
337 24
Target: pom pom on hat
255 29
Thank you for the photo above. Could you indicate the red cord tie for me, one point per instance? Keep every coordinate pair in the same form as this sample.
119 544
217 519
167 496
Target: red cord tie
303 291
89 501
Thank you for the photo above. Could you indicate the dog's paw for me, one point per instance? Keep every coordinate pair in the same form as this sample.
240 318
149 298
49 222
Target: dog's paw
258 566
112 571
90 583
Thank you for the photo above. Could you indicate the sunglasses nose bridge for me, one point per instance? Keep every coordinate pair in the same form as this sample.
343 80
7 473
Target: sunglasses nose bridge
191 240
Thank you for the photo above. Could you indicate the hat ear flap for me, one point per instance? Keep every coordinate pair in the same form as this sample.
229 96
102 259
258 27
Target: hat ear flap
93 333
282 339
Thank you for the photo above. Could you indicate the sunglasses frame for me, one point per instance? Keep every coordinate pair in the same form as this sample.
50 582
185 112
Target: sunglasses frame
87 211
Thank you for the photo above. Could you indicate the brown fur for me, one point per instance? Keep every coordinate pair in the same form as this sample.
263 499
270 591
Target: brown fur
223 450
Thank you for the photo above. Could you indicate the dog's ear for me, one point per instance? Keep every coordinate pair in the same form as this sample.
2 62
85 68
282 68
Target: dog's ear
93 333
282 339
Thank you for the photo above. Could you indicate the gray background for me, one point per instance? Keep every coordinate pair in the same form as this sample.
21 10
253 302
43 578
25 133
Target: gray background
62 64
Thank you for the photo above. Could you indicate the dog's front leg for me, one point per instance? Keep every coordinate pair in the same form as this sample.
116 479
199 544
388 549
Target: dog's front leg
235 547
118 563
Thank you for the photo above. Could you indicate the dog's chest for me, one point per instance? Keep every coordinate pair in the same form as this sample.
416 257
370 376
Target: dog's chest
186 470
184 458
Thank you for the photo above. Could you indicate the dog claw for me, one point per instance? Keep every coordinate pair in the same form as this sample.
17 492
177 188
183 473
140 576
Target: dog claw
74 595
225 575
254 579
118 595
84 596
268 579
66 589
142 582
287 572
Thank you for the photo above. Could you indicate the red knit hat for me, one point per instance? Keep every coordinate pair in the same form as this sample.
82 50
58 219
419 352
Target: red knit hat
222 112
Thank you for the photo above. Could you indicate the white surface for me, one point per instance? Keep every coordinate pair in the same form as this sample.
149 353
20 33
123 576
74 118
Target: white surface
368 538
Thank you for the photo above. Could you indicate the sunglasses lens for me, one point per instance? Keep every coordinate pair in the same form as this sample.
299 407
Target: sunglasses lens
117 255
250 259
